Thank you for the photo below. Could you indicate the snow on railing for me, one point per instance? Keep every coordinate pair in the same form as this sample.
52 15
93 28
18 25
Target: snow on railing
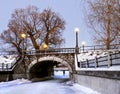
6 66
105 61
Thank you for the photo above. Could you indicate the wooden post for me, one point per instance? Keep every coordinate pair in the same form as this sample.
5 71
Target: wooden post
2 66
80 65
109 60
7 67
96 62
87 63
94 48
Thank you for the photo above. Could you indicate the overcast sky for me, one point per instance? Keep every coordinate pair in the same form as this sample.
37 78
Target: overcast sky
72 11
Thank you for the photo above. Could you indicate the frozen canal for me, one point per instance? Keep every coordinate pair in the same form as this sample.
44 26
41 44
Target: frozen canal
55 86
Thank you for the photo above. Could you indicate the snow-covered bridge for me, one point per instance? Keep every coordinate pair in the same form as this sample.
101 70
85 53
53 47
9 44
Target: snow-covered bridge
35 64
90 66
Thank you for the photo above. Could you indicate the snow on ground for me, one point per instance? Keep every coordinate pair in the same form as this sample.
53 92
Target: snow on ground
7 58
56 86
92 54
13 83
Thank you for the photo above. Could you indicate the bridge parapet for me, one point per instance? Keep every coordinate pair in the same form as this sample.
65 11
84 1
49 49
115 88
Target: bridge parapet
51 51
41 51
62 50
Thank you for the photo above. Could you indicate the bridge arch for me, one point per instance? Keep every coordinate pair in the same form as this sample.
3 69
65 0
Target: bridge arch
47 58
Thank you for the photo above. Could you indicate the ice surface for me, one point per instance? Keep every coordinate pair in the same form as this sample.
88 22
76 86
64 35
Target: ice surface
56 86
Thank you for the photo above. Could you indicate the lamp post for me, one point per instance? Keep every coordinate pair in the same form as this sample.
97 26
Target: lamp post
83 45
76 48
23 36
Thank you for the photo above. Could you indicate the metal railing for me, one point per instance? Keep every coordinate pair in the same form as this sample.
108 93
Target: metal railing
62 50
99 47
6 67
32 52
51 51
9 66
105 61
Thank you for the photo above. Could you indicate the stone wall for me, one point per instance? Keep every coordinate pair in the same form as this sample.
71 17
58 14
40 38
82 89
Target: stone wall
105 82
6 76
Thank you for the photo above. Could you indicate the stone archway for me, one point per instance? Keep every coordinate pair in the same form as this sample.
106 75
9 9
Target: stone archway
47 58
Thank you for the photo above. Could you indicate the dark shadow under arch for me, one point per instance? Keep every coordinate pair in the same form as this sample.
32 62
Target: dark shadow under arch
43 67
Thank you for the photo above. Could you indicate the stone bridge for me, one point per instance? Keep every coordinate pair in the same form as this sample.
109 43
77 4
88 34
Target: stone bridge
40 64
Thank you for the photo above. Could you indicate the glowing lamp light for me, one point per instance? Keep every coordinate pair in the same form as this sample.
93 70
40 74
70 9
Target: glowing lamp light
83 43
23 35
76 29
45 46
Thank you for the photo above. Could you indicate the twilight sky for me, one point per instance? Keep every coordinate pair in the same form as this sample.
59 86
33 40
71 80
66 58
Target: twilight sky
72 11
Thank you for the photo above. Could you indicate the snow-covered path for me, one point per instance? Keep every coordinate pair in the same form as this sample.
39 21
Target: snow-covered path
58 85
45 87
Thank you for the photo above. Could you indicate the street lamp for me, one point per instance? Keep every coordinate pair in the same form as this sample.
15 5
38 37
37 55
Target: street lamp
83 45
23 36
45 46
77 48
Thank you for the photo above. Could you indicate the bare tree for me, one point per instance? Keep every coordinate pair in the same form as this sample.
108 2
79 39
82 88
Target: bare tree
12 39
52 25
104 19
40 27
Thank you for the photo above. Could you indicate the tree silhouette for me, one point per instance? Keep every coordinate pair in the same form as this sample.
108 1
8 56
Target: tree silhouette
40 27
104 20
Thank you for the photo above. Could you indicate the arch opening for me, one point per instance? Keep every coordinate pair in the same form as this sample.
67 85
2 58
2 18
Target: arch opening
46 67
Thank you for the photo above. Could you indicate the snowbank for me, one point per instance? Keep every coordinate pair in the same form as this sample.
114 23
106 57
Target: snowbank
45 87
86 90
7 58
14 83
92 54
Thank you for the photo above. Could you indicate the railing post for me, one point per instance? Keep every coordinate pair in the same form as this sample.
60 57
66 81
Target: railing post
7 67
109 60
96 62
87 63
80 64
12 64
2 66
94 48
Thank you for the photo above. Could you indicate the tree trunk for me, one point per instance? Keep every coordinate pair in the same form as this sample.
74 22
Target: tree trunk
108 29
35 45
